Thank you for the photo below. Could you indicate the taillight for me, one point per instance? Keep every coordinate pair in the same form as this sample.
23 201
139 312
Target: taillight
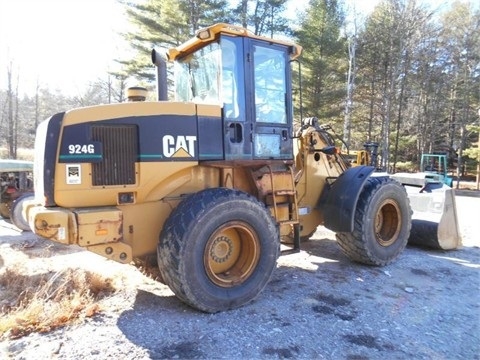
11 190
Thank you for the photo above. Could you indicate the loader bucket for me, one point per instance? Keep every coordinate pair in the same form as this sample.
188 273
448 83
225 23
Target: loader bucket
434 218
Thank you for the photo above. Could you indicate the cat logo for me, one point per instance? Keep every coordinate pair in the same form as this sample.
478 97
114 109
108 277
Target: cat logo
180 146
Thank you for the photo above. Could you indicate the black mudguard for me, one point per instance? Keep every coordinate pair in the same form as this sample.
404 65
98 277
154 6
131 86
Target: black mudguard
339 200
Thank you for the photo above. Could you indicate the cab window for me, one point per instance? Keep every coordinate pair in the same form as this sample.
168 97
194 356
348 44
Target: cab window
270 85
197 76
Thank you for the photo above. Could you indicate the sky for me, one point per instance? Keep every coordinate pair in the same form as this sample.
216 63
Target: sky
66 44
62 44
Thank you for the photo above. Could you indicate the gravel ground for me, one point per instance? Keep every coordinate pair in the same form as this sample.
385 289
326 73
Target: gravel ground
318 305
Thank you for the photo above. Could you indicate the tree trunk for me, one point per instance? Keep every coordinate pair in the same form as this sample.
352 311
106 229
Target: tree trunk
10 125
399 117
347 126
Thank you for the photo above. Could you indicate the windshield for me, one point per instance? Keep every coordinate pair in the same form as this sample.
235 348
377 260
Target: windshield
197 76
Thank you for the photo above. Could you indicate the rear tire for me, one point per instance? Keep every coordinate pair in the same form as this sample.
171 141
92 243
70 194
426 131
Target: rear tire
16 212
218 249
382 223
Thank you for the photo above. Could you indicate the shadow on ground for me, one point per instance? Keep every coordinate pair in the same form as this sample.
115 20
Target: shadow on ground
360 311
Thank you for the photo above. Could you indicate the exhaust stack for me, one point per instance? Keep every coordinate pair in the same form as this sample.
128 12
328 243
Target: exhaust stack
159 61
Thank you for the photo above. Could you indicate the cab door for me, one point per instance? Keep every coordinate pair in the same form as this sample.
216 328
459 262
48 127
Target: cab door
257 99
271 113
235 113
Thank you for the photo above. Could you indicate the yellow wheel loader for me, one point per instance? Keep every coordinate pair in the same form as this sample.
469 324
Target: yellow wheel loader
210 184
366 156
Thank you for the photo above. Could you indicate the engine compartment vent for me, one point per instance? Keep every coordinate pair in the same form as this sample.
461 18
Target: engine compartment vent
120 152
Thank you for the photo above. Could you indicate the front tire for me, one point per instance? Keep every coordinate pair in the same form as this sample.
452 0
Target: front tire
218 249
382 223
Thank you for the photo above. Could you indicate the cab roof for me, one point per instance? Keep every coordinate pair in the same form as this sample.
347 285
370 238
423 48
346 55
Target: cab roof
211 33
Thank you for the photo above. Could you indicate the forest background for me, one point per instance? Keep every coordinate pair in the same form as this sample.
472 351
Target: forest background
405 75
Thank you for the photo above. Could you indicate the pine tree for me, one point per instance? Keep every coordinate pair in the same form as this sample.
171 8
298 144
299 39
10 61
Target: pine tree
324 60
162 24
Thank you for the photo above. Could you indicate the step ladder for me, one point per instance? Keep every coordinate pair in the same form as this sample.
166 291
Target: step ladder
282 193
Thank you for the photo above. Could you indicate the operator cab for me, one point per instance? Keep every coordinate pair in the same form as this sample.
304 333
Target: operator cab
250 79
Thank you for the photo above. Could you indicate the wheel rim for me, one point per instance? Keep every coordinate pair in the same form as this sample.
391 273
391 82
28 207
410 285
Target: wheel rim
388 223
231 254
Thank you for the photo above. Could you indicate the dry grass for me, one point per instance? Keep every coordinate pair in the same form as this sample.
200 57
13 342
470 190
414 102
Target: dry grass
150 270
41 303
